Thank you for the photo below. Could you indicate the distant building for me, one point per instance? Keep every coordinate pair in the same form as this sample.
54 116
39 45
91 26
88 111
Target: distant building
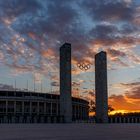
30 107
101 87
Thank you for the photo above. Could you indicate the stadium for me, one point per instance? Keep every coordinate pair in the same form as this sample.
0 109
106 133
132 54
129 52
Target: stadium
33 107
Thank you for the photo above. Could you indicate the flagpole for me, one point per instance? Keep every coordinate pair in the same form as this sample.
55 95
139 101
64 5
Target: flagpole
27 85
34 82
15 85
41 86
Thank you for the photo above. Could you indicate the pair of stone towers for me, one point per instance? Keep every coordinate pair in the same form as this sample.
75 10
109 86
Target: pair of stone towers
100 85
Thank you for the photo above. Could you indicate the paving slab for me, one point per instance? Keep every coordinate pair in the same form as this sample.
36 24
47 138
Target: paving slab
80 131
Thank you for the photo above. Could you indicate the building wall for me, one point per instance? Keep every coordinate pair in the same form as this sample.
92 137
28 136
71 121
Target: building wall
24 107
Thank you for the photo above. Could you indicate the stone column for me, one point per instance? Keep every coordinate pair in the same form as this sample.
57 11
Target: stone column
23 109
44 108
14 108
101 87
51 108
38 106
65 83
30 108
6 107
57 109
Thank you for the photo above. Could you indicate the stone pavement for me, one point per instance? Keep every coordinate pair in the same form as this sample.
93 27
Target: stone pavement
70 131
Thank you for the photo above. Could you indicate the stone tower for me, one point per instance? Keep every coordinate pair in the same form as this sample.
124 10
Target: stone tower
65 83
101 87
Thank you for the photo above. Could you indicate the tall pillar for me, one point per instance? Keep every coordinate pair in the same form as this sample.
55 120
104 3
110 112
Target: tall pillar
23 108
6 107
51 109
65 83
101 87
57 109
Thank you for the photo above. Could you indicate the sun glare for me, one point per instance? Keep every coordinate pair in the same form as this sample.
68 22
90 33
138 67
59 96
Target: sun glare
123 112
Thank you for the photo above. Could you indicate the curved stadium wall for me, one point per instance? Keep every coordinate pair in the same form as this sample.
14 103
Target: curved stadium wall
30 107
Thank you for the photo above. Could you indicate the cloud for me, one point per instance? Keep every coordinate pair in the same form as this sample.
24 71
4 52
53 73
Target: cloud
90 95
110 10
10 87
115 53
108 34
55 83
6 87
32 32
133 91
133 84
75 84
17 7
130 99
123 102
101 31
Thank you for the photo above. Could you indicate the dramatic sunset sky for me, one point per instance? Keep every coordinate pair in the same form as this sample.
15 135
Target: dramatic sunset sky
32 31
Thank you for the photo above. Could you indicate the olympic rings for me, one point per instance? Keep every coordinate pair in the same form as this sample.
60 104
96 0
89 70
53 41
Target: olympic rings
83 66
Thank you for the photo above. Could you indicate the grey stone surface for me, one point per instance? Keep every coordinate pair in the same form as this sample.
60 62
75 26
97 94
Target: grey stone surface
69 131
101 87
65 83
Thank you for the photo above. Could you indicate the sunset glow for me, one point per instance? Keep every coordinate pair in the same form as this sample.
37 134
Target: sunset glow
123 111
32 32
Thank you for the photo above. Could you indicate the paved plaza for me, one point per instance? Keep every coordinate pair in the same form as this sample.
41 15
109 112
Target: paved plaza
70 131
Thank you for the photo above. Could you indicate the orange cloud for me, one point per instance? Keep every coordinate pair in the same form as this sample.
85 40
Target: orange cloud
122 102
48 53
129 100
32 35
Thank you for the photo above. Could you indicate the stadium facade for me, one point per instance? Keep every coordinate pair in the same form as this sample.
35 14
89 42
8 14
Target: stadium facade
31 107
